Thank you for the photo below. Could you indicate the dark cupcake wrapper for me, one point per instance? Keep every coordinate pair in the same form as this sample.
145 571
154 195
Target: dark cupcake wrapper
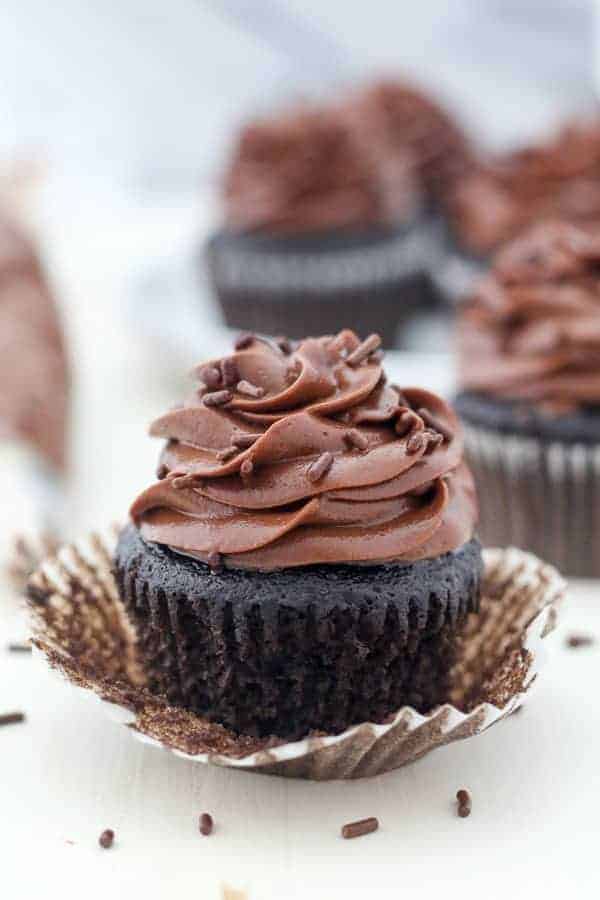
81 629
371 282
287 653
543 496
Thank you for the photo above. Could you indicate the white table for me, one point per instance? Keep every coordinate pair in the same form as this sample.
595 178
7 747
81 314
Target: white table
68 773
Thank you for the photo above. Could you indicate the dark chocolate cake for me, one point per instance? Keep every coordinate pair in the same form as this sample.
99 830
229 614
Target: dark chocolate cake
306 558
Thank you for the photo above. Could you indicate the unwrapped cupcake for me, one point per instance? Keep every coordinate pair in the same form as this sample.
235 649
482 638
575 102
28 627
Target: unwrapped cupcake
301 591
318 229
529 342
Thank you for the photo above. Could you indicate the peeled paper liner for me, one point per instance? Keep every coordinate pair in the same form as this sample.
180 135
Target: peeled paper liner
81 627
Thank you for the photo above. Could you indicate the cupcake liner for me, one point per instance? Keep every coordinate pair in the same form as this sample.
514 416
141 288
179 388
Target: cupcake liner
373 284
81 628
542 496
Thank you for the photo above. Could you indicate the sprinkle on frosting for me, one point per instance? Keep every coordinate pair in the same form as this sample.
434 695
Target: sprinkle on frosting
330 464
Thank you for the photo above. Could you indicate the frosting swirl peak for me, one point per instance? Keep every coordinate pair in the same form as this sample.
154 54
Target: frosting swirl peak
290 456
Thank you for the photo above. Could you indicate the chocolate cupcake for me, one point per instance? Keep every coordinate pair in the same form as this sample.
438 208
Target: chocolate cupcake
317 229
530 372
307 557
559 178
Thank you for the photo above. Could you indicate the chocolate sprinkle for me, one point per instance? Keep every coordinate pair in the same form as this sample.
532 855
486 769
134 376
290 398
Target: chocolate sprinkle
247 468
580 640
357 829
320 467
244 440
355 439
211 377
12 718
107 838
180 482
217 398
249 389
433 440
463 798
364 350
244 340
22 647
205 824
406 421
433 422
416 442
231 373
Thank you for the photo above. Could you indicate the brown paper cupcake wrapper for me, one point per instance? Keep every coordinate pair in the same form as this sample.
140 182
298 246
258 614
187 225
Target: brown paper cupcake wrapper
544 497
81 628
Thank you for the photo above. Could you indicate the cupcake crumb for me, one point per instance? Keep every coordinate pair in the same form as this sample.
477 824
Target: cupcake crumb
463 798
575 641
205 824
107 838
19 647
12 718
357 829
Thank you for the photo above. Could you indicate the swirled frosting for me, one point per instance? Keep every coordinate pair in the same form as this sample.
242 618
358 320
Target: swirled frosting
307 172
400 118
290 456
531 330
556 179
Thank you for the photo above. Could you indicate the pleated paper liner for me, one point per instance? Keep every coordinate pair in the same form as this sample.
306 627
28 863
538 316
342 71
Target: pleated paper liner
80 626
543 496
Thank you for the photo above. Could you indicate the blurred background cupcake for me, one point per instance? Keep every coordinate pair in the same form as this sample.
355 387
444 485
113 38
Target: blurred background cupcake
500 196
317 229
400 118
529 343
34 387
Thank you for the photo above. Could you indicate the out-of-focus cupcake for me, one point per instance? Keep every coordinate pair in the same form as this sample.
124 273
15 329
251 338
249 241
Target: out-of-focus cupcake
529 341
317 230
559 178
399 118
34 388
307 558
33 369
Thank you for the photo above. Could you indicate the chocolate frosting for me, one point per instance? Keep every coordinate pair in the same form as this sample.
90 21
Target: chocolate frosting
399 118
557 179
531 330
291 457
307 172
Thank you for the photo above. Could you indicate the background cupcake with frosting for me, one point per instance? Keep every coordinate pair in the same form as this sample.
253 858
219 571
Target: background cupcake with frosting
529 344
501 196
317 228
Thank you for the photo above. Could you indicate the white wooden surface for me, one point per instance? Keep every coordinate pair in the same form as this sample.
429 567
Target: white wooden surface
68 773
